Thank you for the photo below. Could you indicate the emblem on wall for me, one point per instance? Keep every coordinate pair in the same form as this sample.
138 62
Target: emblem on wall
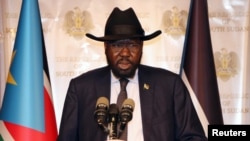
77 23
1 36
174 21
226 64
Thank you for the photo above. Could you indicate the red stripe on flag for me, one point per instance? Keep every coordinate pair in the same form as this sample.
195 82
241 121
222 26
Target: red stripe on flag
50 121
21 133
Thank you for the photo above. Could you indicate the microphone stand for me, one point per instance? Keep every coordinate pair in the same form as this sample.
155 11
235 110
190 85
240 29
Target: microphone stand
113 120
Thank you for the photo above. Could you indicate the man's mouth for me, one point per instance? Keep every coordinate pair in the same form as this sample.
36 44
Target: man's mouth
124 64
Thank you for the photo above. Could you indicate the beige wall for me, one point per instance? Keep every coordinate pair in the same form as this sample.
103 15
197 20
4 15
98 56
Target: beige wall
71 53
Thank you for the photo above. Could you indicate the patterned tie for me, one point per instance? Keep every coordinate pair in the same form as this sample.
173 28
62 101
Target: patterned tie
121 97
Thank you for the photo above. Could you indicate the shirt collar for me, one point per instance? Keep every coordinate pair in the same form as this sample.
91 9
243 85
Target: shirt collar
115 79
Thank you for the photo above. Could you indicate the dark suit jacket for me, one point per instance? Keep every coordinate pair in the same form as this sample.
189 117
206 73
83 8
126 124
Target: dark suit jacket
167 111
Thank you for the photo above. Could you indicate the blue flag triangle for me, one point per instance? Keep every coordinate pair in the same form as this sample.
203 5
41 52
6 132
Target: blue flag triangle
23 102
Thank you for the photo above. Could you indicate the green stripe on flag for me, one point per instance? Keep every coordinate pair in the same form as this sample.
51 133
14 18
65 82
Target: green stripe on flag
1 138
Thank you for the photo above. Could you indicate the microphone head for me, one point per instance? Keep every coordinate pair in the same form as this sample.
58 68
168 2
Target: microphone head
126 113
101 111
102 101
113 109
128 103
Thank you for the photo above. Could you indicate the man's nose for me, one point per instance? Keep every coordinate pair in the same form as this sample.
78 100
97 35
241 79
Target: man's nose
125 50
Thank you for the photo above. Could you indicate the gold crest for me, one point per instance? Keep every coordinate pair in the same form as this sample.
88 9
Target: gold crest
77 23
174 21
226 64
11 32
1 36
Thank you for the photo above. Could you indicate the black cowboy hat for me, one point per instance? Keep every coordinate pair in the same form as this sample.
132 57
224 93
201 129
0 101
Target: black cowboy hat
123 25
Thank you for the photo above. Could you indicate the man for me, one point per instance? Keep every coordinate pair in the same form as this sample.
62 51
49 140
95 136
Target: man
163 108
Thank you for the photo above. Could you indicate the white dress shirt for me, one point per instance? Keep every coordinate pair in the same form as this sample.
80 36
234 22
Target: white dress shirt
135 132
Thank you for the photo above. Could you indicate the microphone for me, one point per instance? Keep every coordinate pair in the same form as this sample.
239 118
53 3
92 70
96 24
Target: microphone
113 120
101 113
126 113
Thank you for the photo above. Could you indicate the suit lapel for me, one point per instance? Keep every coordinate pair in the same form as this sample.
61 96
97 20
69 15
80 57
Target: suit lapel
102 89
146 89
103 85
146 97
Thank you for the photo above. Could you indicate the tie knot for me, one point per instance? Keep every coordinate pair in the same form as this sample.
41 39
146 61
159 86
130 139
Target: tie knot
123 83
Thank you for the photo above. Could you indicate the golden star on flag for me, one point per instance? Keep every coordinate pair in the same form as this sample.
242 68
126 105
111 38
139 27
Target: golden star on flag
10 78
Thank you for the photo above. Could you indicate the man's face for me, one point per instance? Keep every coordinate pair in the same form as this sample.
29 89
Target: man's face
124 56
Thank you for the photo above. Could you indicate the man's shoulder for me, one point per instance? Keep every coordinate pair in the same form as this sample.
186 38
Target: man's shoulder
155 70
97 72
158 74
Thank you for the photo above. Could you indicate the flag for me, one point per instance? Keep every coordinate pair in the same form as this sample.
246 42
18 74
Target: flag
27 112
198 68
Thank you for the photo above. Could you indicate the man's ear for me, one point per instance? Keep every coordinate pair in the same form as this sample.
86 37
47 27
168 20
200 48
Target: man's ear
105 45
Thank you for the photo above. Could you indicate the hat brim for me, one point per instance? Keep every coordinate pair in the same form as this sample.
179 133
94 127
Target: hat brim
125 36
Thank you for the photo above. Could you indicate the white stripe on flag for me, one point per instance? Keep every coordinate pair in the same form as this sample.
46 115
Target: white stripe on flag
197 105
5 133
47 85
